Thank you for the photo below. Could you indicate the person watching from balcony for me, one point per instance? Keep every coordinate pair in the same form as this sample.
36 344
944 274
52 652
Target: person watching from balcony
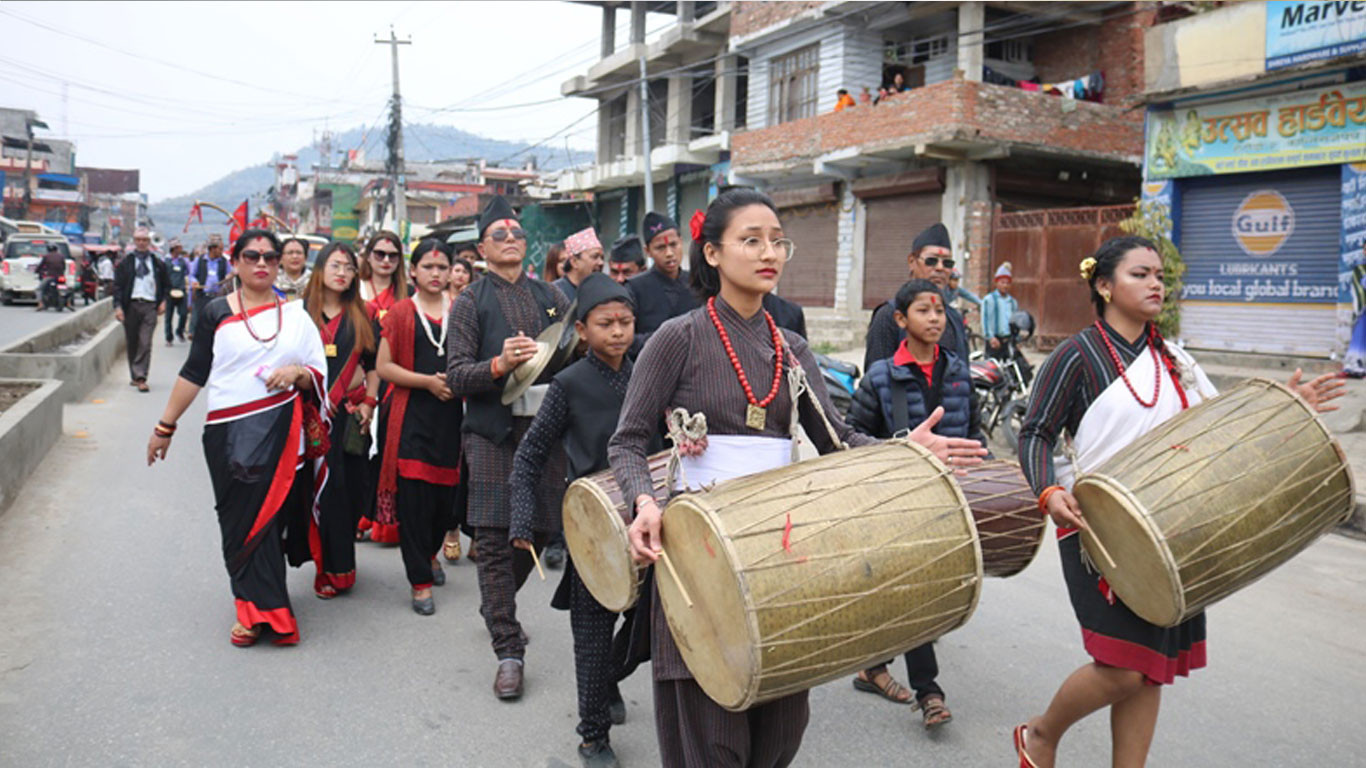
844 100
583 257
866 97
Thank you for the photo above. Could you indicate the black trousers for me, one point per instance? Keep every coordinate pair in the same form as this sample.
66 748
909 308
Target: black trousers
502 571
922 667
423 510
595 668
175 306
696 732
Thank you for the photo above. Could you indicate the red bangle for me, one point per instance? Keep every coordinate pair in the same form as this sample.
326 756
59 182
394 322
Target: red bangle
493 368
1043 498
370 401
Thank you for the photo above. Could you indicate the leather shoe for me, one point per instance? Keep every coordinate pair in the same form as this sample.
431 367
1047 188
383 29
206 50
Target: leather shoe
616 710
598 754
507 685
553 556
425 607
438 574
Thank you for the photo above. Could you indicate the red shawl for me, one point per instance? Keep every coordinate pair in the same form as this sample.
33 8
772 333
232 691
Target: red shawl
399 326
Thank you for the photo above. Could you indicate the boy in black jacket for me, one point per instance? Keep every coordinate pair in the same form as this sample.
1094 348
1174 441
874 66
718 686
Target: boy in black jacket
896 395
581 409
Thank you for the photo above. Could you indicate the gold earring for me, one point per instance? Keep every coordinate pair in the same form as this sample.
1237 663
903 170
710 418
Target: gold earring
1106 296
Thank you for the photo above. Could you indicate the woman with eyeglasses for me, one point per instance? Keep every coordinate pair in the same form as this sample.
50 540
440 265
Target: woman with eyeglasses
931 258
263 363
294 271
420 466
729 361
333 301
382 286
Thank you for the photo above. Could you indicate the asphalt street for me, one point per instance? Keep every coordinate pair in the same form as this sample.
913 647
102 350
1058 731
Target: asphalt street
114 647
19 320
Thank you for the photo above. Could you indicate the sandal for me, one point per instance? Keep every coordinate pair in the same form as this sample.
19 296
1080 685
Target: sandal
933 711
326 592
243 637
1025 761
450 548
890 690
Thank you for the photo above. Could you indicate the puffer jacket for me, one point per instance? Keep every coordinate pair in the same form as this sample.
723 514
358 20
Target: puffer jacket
872 413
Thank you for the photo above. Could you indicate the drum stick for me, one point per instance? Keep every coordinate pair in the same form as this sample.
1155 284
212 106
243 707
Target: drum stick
537 561
1103 551
664 556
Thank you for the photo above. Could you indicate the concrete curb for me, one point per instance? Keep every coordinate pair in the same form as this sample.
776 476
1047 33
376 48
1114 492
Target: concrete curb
79 370
27 431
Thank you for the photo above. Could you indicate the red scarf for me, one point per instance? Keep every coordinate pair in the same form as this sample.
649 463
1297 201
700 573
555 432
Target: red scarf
399 327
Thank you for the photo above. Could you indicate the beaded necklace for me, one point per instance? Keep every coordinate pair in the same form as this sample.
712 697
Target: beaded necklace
756 413
246 319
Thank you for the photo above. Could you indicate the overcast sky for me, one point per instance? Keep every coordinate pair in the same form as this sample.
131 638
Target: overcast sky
190 91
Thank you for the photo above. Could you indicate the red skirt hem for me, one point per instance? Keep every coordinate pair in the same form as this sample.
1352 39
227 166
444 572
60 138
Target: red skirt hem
384 533
1156 668
280 620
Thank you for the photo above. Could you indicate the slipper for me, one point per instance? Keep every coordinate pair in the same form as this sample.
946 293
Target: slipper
1019 735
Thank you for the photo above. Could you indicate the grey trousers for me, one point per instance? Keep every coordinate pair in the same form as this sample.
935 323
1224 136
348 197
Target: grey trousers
139 323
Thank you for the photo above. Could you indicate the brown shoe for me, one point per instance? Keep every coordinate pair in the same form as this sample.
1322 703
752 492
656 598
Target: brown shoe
142 386
508 683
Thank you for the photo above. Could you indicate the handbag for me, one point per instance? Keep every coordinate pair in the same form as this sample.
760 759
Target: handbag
354 441
316 440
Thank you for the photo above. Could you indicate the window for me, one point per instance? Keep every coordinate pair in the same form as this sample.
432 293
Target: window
924 50
422 215
1009 50
793 84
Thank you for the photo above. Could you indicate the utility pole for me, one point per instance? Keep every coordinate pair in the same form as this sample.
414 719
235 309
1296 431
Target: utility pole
394 165
645 136
29 124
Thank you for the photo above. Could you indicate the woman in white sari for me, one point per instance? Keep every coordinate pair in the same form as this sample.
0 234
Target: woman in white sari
1106 387
262 361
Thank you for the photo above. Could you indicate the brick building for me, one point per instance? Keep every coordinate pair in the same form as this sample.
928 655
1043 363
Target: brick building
1005 106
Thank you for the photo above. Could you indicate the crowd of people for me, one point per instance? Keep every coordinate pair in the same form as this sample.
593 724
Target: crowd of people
381 394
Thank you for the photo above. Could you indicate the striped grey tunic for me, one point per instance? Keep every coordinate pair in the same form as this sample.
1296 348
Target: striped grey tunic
685 365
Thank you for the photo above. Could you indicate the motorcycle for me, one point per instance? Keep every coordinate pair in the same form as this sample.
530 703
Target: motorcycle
57 294
1002 384
841 379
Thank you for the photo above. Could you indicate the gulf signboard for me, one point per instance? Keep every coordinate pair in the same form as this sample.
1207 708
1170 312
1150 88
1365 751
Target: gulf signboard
1263 222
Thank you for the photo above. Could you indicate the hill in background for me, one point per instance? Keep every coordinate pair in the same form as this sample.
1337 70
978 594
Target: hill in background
422 143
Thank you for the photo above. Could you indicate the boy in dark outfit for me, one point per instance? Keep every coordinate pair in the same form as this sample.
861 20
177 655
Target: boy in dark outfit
896 395
580 410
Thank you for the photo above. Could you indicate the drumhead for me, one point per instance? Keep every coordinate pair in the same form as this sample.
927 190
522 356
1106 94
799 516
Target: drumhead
720 637
599 545
1145 575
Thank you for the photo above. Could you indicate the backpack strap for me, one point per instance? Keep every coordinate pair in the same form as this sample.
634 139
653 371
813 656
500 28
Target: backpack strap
901 417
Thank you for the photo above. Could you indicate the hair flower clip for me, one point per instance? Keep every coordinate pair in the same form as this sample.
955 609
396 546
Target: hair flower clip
695 224
1088 268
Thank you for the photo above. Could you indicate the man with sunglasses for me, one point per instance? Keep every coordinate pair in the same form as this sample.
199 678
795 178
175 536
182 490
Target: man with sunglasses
662 292
931 258
493 328
141 284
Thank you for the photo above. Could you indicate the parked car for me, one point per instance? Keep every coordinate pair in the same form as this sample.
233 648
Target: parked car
19 268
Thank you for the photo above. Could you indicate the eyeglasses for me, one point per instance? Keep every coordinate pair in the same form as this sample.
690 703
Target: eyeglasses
268 257
753 247
384 255
341 268
934 261
516 233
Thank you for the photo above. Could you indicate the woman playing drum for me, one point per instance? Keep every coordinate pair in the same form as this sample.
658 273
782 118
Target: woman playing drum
722 360
1106 387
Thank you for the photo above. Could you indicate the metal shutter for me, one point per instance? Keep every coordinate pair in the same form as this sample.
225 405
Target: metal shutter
809 279
692 196
1303 325
609 221
893 222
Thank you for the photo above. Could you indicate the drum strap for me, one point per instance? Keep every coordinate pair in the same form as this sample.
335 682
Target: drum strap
798 385
682 426
901 417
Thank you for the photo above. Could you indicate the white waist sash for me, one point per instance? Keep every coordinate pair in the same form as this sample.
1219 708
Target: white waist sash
529 402
731 456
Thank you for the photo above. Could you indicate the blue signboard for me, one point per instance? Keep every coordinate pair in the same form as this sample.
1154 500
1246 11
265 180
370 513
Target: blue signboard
1352 268
1297 32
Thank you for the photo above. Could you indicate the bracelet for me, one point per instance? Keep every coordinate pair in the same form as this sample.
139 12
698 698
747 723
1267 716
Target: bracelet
167 426
161 431
370 401
1043 498
493 367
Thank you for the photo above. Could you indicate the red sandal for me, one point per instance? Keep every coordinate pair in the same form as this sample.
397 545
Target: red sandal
1025 762
243 637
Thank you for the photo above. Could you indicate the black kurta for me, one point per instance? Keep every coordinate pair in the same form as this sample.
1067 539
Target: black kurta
657 298
884 335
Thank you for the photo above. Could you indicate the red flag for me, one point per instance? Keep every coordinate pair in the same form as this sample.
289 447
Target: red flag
195 211
239 222
260 221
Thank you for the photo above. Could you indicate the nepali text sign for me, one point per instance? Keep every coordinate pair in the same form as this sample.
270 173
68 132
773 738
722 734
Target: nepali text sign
1298 32
1318 126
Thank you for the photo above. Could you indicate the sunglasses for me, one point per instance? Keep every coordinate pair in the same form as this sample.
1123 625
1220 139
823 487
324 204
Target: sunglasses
516 233
934 261
258 257
384 255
